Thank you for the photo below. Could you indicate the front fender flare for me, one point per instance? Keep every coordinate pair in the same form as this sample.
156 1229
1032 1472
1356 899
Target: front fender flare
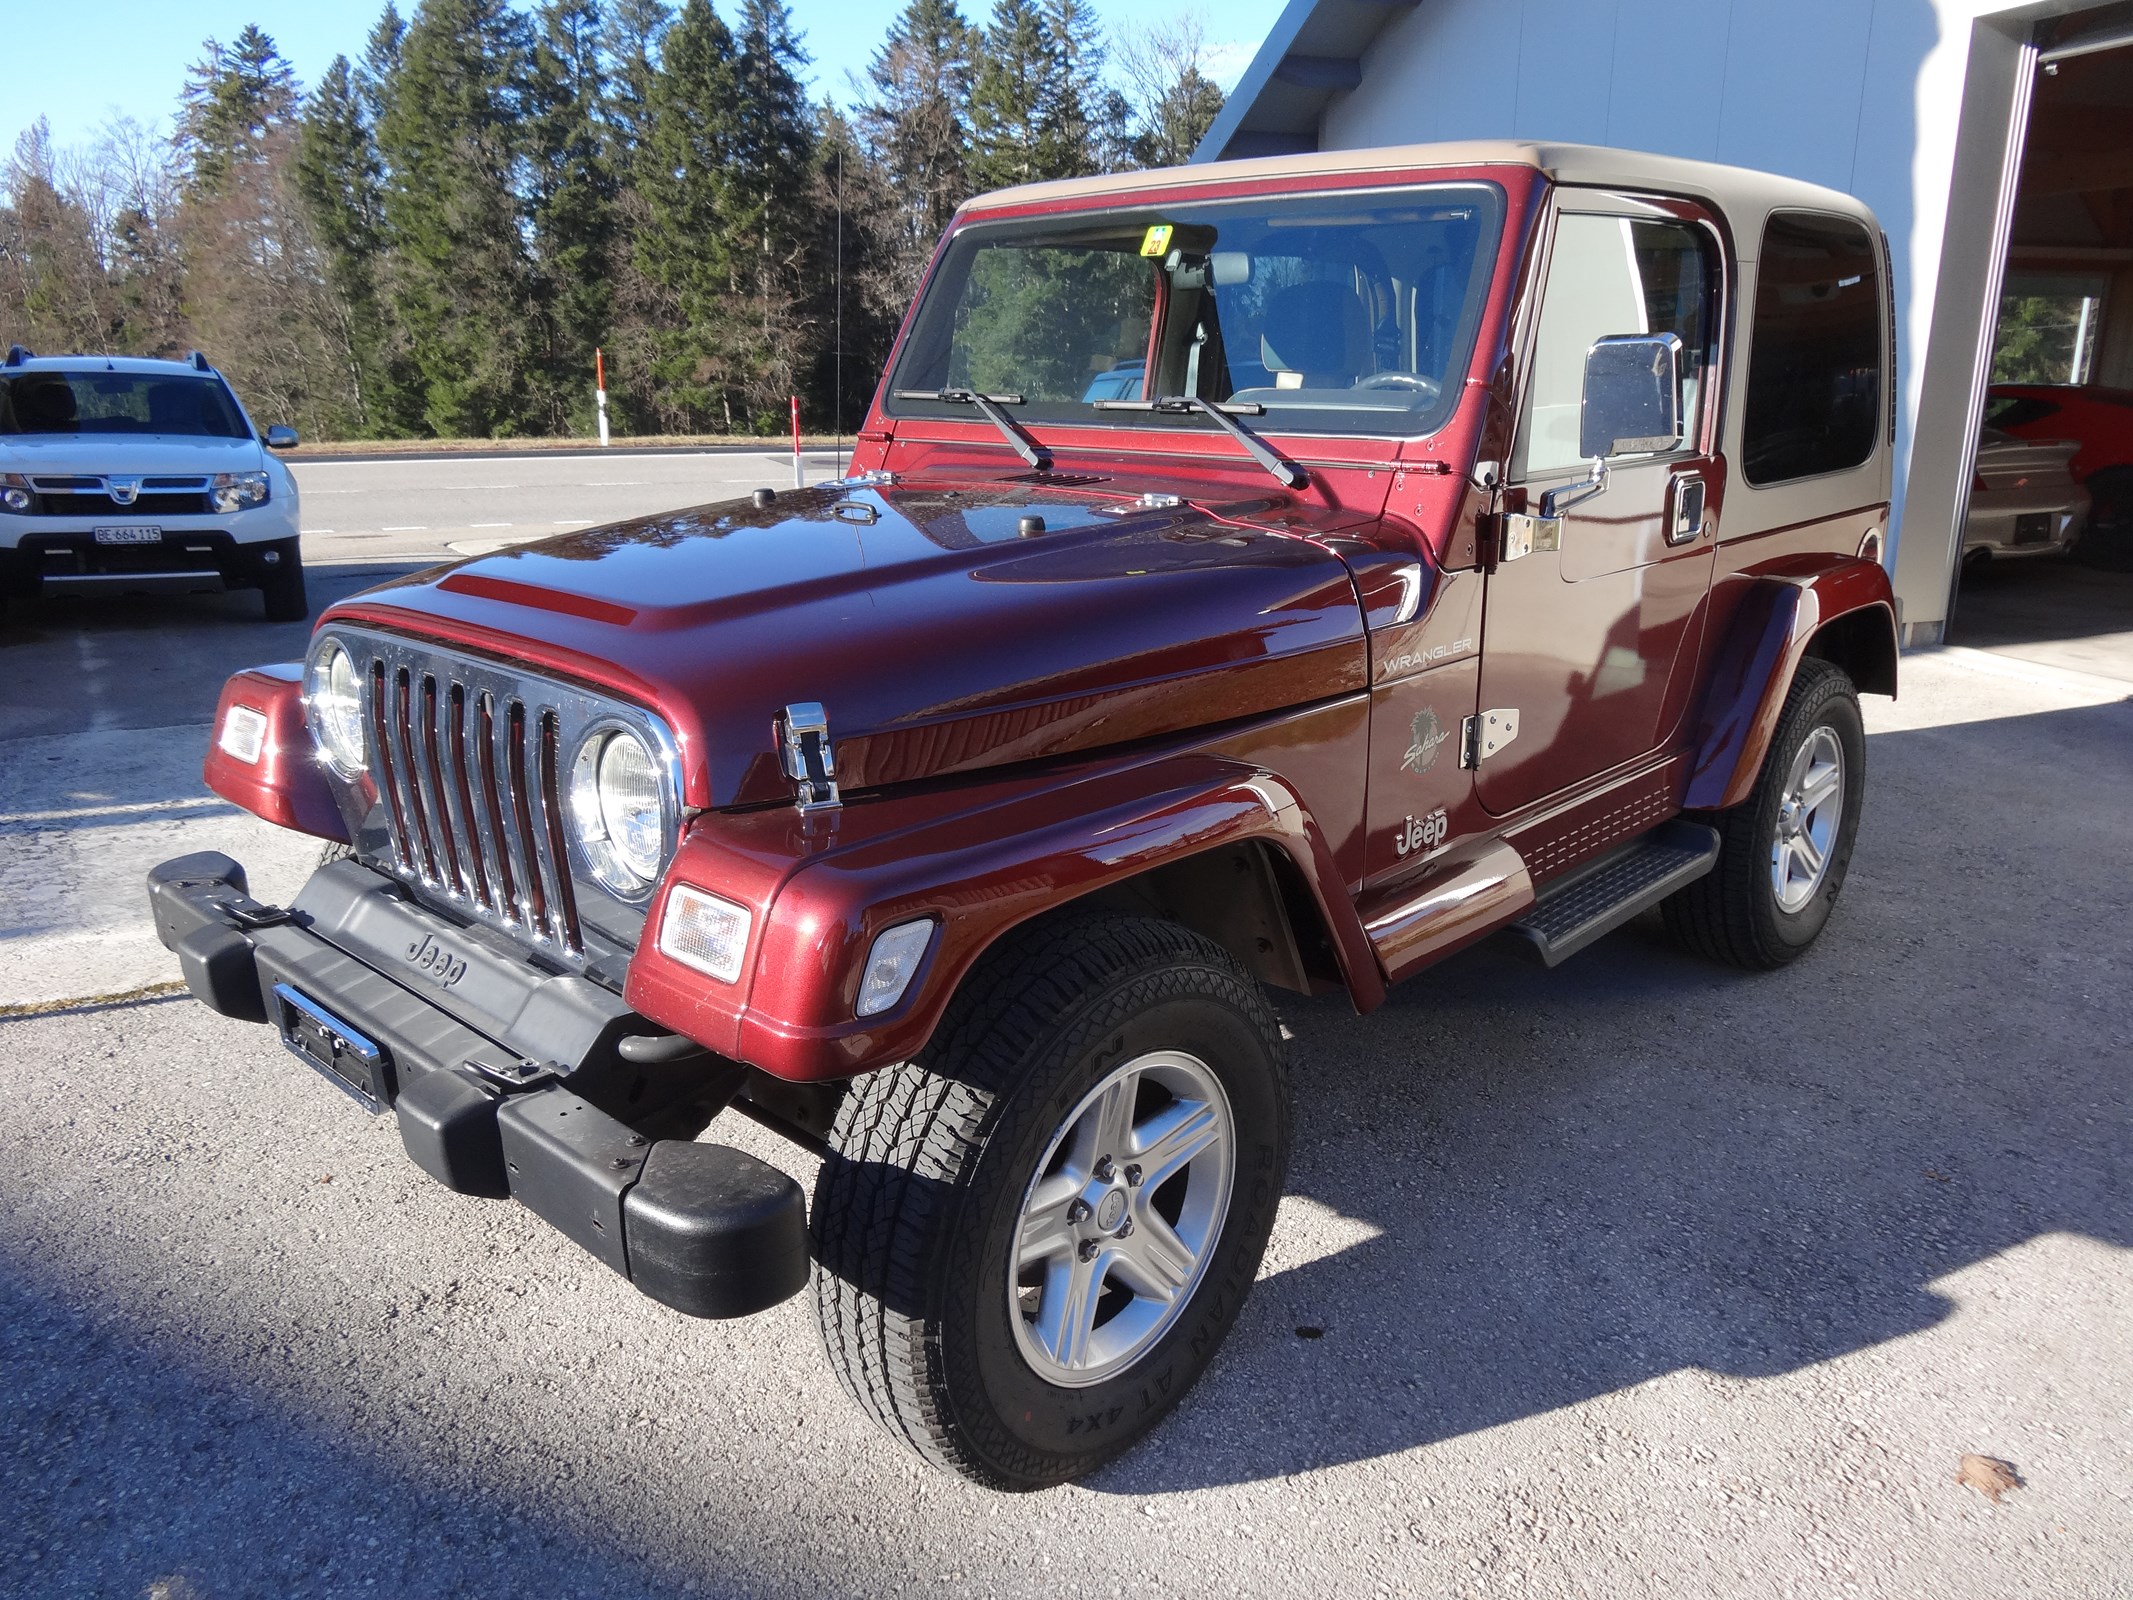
978 862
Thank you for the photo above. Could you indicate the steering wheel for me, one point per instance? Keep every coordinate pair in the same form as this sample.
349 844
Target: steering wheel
1428 388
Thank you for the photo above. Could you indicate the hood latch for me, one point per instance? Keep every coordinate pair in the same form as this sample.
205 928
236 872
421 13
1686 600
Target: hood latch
804 747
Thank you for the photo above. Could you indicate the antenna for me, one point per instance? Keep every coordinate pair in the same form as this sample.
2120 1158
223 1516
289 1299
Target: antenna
837 381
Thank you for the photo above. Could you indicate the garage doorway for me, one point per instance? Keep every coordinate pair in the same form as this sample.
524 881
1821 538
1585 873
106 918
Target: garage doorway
2047 548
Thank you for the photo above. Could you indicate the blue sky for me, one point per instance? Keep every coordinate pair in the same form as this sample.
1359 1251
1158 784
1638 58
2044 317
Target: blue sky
80 64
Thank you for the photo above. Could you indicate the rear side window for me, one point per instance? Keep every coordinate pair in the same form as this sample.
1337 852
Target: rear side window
1815 358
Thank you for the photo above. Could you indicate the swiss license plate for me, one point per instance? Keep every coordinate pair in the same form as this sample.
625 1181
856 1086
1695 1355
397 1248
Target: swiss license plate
127 533
345 1056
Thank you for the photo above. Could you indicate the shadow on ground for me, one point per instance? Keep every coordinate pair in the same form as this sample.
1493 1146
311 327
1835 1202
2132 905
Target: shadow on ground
1572 1181
73 663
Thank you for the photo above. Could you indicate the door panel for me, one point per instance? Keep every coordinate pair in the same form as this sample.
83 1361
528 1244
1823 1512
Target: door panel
1583 640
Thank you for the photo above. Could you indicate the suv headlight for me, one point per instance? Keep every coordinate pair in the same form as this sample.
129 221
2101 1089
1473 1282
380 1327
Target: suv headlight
237 491
14 492
618 806
333 696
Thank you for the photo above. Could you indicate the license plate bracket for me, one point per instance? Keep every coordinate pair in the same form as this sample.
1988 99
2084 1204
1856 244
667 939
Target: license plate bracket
127 533
343 1055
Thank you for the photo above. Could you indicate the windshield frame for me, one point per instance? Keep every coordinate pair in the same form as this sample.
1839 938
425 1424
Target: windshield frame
1132 209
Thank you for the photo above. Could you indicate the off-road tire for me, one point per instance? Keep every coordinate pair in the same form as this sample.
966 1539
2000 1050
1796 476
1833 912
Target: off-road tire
282 586
1732 913
915 1211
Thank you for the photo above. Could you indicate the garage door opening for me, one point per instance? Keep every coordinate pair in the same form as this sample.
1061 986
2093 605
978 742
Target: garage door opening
2047 556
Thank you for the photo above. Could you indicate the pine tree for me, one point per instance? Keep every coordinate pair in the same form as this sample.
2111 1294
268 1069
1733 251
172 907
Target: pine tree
682 343
380 68
630 46
769 203
1008 98
571 202
460 280
233 99
917 126
338 176
1080 122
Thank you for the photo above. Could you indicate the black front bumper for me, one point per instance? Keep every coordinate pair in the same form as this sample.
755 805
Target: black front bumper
505 1078
183 560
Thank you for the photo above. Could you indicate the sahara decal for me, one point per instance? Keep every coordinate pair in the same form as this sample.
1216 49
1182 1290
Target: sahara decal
1425 734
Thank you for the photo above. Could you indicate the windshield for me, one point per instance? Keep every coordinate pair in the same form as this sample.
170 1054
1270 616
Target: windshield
1340 313
119 402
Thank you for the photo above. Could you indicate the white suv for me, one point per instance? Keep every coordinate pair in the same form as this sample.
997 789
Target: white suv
121 474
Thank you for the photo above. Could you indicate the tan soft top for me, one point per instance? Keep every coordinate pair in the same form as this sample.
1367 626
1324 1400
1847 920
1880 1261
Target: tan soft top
1743 195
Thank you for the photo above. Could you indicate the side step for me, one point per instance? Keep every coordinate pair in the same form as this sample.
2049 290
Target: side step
1597 899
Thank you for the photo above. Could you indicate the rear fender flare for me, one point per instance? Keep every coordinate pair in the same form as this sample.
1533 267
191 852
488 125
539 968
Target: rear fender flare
1844 611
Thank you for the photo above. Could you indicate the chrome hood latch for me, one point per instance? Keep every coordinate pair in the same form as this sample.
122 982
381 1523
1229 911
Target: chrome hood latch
804 747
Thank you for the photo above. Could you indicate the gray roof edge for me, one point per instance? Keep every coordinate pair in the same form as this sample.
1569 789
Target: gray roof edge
1245 97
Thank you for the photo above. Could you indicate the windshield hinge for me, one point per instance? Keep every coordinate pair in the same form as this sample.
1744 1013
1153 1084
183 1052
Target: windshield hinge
804 747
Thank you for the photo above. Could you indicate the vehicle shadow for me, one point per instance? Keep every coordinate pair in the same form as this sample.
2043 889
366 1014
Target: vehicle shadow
1566 1183
72 663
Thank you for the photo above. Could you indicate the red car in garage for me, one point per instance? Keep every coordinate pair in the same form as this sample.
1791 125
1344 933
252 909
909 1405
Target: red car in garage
2100 420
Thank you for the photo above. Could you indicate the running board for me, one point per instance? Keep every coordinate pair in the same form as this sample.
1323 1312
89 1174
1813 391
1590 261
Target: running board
1596 900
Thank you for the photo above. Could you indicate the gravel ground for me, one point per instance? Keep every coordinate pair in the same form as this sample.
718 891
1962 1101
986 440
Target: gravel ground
1635 1278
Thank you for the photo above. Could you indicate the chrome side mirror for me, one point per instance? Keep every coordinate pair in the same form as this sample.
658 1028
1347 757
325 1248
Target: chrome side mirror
1632 396
281 437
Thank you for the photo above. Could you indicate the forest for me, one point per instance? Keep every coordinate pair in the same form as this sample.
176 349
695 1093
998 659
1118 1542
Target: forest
432 240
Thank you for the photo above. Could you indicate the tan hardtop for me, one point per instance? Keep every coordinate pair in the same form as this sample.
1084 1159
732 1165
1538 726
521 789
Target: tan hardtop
1744 195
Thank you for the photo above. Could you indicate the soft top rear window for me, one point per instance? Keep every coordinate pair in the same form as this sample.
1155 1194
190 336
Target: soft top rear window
104 402
1338 314
1815 354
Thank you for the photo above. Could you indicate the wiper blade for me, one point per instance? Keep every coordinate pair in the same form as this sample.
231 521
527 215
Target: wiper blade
1012 431
1286 472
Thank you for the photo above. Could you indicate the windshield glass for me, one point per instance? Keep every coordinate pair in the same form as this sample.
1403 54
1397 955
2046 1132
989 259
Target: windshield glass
1344 314
119 402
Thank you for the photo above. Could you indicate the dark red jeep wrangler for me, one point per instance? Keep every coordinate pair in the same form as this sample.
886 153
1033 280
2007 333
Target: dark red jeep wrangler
1278 574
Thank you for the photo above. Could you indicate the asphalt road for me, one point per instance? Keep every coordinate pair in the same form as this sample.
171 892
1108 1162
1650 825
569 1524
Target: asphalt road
360 509
1635 1278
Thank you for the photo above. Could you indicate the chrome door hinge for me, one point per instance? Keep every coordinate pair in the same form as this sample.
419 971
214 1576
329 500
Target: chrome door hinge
804 747
1485 733
1523 534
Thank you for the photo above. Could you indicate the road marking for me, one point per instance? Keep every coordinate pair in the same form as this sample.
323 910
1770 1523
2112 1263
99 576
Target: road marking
571 522
615 483
488 524
315 530
410 527
142 808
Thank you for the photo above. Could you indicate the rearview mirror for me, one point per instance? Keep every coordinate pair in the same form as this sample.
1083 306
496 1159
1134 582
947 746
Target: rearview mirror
1632 398
281 437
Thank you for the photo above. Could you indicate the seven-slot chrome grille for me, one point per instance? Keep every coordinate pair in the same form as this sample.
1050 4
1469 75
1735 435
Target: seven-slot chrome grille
471 762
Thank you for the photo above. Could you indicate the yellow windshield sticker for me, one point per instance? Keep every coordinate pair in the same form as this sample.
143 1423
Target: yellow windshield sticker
1156 241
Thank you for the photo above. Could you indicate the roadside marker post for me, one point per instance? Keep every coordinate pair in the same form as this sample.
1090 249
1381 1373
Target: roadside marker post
798 482
600 391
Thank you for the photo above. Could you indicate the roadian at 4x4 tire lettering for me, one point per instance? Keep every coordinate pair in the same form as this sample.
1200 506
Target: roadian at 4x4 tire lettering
1261 576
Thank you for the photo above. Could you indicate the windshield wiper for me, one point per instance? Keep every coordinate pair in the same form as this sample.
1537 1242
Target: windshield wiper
1286 472
1012 431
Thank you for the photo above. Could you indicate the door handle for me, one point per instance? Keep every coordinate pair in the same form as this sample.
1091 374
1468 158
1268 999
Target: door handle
1685 522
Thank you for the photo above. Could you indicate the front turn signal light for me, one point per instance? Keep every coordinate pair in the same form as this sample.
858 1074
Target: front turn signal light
704 932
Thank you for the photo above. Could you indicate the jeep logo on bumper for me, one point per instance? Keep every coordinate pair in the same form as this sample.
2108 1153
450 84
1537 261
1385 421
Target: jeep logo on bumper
435 961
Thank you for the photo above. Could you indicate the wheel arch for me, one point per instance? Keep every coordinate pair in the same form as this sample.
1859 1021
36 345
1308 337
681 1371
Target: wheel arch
1843 612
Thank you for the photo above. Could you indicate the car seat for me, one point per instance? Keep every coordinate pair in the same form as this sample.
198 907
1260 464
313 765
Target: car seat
1315 336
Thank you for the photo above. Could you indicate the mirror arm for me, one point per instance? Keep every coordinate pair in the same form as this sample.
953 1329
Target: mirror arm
1557 501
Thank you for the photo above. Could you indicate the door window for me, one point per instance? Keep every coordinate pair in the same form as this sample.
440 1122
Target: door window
1614 275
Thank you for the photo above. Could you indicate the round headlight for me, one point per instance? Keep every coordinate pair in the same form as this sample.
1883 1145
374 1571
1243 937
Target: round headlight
619 808
335 697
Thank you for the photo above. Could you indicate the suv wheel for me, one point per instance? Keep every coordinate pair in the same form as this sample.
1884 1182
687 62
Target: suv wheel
283 583
1030 1241
1783 851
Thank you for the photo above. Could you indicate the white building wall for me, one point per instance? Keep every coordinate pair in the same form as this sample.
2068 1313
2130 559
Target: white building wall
1859 95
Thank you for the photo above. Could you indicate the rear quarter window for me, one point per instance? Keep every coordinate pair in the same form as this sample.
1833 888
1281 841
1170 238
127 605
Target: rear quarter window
1816 350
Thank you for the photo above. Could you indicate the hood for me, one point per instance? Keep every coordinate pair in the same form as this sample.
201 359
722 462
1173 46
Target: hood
133 454
939 636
